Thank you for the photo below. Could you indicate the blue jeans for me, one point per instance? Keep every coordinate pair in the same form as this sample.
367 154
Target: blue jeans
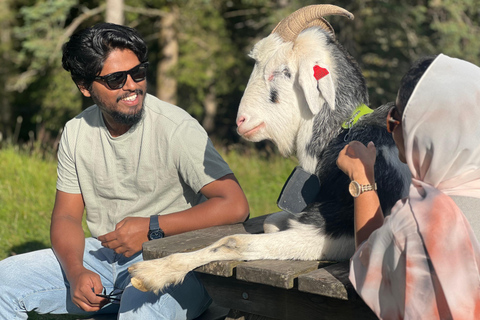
34 281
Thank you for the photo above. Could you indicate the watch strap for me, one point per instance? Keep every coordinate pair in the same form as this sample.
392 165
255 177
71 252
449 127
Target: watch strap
154 222
368 187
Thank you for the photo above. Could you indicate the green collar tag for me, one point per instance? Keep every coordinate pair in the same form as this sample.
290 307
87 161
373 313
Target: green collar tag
359 112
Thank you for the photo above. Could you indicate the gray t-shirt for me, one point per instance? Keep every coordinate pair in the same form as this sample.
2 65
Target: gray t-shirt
157 167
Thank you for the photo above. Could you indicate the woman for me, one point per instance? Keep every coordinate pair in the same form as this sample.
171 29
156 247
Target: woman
422 262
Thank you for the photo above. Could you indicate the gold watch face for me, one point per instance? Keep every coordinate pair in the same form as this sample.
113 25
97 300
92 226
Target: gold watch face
355 189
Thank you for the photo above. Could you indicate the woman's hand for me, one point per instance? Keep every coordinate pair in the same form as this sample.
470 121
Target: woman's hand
358 161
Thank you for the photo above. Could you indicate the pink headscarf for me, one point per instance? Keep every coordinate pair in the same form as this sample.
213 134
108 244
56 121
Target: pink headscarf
441 129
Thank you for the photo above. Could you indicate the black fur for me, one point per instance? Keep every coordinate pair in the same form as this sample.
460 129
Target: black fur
332 212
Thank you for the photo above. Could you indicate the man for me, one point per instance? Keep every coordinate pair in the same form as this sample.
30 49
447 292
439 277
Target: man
142 169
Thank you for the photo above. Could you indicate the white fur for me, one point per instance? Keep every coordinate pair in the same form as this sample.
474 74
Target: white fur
289 122
299 242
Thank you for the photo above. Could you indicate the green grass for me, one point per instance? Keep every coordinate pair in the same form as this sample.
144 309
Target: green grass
261 177
27 192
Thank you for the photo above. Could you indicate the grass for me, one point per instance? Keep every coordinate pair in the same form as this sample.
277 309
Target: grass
27 192
261 176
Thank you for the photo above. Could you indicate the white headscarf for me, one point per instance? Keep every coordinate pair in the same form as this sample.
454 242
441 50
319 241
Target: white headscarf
423 263
441 127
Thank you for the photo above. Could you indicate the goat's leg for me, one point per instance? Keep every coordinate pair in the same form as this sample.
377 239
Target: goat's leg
277 221
301 242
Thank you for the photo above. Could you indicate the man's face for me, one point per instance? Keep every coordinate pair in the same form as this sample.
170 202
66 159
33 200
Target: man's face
122 106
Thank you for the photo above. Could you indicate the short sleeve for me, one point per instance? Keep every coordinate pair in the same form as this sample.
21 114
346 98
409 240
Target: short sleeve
67 180
197 160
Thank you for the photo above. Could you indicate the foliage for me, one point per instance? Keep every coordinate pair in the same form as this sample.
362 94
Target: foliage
7 54
215 37
387 36
203 40
44 88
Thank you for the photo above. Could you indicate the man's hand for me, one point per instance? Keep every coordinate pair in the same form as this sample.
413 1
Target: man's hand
83 288
358 161
128 237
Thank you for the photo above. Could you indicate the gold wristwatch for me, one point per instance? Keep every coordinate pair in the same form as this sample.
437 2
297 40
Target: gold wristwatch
357 189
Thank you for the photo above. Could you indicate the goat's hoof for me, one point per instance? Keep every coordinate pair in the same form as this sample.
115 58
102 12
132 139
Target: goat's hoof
137 283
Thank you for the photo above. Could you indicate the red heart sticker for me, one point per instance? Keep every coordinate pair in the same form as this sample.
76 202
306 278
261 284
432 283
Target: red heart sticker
319 72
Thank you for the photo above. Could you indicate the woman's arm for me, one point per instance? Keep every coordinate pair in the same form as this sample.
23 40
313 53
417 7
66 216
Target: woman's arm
357 162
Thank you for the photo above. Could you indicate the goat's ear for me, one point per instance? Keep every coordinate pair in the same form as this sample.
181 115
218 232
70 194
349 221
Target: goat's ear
317 84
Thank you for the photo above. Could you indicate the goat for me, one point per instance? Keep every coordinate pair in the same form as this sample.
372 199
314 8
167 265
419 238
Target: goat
303 87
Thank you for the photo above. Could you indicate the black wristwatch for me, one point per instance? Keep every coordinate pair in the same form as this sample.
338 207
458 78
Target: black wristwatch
155 232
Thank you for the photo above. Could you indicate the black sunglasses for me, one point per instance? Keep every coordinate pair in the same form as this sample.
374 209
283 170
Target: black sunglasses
392 123
116 80
113 296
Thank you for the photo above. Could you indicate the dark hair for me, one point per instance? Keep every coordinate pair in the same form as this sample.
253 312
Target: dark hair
86 51
411 78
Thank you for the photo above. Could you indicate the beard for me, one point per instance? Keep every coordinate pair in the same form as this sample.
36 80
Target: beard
122 118
126 119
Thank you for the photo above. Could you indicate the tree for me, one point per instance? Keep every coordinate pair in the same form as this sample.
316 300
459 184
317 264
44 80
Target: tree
6 68
198 49
114 11
387 36
168 58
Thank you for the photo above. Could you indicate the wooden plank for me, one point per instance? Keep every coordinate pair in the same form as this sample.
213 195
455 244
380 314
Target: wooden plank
198 239
331 281
220 268
276 303
277 273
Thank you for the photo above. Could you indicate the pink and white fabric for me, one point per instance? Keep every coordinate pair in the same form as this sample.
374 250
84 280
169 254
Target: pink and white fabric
423 263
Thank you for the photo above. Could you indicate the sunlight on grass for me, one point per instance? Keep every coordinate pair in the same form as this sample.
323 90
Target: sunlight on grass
261 177
27 194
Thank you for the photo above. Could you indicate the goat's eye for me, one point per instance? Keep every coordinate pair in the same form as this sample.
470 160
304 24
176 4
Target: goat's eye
286 73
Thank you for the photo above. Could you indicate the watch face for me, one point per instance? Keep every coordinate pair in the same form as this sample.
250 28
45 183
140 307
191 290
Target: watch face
354 188
157 234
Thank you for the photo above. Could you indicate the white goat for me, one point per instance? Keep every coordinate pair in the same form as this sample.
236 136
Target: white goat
302 88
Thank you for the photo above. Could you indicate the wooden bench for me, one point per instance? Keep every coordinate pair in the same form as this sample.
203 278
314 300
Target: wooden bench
268 289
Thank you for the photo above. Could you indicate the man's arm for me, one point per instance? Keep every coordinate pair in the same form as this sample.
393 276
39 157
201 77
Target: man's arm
226 204
68 242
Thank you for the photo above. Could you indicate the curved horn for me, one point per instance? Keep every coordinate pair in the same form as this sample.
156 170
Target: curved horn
307 17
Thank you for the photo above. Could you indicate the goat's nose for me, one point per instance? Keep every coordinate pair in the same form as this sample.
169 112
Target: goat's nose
240 120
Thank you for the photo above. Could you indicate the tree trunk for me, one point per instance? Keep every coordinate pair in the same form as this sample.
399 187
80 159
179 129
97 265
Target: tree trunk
210 105
114 12
166 82
5 72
